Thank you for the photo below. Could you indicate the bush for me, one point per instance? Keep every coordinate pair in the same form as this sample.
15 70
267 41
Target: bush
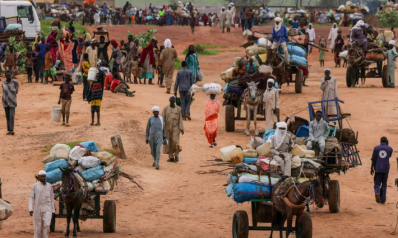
388 20
177 64
144 38
173 5
200 49
20 48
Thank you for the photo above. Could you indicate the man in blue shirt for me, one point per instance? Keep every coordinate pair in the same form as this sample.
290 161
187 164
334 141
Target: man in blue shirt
40 59
279 33
184 81
381 165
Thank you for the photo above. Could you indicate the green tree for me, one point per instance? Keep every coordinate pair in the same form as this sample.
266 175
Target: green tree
388 20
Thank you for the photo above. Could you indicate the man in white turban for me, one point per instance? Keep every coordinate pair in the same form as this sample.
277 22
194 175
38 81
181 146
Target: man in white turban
41 206
280 36
271 104
167 63
358 37
154 135
391 54
311 35
172 128
281 145
333 35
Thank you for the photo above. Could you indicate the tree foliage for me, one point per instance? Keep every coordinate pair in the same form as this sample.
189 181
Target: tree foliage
388 20
144 38
20 48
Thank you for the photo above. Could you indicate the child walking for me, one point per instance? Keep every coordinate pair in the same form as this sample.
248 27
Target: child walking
321 59
94 97
29 65
47 65
66 98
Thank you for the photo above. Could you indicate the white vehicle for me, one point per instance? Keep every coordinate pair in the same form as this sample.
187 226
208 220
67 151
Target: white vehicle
27 13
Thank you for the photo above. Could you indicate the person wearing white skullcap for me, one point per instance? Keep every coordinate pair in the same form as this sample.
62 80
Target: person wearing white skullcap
281 145
167 58
330 92
154 135
391 54
358 37
271 104
311 35
173 126
41 205
223 19
279 33
319 131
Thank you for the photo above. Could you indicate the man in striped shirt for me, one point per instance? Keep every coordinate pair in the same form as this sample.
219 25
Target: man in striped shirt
10 91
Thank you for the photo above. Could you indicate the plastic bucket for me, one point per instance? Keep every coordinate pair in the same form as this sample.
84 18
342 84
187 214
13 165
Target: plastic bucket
56 113
92 72
225 153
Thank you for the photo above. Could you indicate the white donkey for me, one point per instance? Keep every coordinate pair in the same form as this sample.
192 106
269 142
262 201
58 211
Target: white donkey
252 97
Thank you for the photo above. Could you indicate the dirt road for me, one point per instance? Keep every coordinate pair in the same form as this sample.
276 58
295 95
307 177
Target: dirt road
177 200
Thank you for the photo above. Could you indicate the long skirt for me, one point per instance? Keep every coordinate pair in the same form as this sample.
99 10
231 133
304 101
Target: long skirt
211 127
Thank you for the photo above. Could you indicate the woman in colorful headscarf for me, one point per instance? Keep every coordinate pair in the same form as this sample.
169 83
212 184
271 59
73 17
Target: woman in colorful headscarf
193 62
52 41
77 50
211 119
147 63
115 49
65 50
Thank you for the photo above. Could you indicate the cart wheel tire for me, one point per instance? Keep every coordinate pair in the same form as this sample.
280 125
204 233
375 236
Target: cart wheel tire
240 225
52 225
299 81
334 196
349 74
384 76
304 226
230 118
109 221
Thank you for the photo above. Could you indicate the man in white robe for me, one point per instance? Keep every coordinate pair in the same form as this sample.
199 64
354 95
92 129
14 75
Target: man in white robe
271 104
223 19
332 36
330 92
42 197
229 18
233 13
281 145
311 34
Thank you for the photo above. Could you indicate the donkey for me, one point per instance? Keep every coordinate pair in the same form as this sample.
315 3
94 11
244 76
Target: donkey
253 98
294 202
73 198
278 64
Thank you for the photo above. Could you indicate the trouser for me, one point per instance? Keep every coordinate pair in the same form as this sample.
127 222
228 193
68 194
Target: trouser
364 45
10 117
160 75
42 223
12 70
243 22
65 107
321 143
381 179
86 87
185 102
169 82
156 146
284 47
285 164
249 24
40 70
29 71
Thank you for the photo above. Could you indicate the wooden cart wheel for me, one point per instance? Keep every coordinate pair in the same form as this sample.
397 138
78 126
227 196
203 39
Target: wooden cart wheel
52 225
334 196
230 118
384 76
109 221
299 81
304 226
240 225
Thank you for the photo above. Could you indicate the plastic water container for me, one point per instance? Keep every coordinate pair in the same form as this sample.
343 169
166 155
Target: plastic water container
77 77
92 72
56 113
225 153
303 131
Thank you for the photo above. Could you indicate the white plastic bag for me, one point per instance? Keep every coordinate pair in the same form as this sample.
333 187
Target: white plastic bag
89 162
57 185
103 187
212 88
200 75
77 152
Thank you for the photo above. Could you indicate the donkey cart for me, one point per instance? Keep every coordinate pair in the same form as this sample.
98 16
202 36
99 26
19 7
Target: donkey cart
108 215
262 212
230 117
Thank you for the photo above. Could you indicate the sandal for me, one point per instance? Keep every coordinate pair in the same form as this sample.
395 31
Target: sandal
12 133
92 124
211 146
8 133
170 160
97 124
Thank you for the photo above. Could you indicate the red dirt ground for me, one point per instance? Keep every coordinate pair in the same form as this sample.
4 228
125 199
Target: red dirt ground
177 201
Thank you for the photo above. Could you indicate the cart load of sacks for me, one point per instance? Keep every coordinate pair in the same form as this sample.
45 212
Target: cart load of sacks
86 160
257 45
255 171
